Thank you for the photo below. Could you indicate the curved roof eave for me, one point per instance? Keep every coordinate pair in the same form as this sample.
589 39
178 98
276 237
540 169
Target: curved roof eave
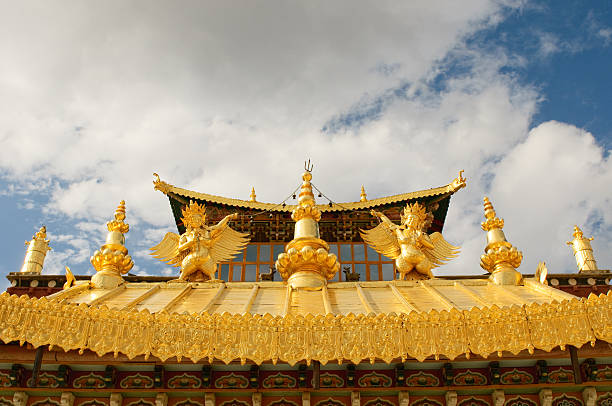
448 189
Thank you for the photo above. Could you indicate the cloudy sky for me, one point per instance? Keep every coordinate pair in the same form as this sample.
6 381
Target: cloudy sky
221 96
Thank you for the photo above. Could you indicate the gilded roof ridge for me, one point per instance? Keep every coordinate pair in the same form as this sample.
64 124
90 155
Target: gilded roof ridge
450 188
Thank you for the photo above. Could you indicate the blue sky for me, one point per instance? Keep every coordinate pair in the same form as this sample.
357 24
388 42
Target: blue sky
218 99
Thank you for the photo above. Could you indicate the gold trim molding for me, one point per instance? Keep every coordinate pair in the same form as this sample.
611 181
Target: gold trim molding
169 189
294 338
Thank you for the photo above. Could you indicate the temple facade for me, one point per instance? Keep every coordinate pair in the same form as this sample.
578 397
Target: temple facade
307 302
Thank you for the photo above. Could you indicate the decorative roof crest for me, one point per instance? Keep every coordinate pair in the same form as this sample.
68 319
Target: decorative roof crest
194 215
416 211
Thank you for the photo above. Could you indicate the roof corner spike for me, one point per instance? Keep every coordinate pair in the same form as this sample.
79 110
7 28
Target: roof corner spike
160 185
363 197
459 182
253 195
583 251
35 254
501 258
112 259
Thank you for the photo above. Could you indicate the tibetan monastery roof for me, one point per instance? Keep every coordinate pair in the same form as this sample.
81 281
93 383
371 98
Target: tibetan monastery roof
266 321
171 190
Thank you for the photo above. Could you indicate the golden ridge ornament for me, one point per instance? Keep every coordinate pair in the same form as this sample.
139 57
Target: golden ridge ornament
408 243
200 248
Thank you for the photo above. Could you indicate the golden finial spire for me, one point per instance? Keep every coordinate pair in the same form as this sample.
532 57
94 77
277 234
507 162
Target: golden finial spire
306 262
363 196
36 252
112 259
583 251
500 258
253 195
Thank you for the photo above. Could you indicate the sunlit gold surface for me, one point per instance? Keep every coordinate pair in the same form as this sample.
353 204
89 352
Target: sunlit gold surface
200 248
408 243
112 259
583 252
501 258
458 183
363 197
37 251
306 262
450 188
253 195
358 321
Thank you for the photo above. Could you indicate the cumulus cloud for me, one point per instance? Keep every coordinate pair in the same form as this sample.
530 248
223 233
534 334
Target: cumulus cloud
219 99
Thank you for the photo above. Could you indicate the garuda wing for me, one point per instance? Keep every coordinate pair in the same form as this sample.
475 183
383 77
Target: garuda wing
442 251
382 239
167 250
227 244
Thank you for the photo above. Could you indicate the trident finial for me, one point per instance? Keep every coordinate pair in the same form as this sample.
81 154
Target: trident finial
308 166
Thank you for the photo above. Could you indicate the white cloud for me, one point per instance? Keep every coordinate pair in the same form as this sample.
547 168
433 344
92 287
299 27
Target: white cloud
219 99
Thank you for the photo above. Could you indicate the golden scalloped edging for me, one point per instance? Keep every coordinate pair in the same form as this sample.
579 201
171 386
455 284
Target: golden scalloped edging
167 189
295 338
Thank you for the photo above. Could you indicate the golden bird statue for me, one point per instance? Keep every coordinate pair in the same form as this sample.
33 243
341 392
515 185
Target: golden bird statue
200 248
408 243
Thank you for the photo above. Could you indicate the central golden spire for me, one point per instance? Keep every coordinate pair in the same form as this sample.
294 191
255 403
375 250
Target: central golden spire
306 262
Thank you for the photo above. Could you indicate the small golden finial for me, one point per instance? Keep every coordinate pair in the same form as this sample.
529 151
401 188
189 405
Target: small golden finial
500 258
253 195
583 251
112 259
363 196
36 252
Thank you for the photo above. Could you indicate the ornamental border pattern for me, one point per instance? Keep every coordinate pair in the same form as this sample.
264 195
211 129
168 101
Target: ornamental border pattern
294 338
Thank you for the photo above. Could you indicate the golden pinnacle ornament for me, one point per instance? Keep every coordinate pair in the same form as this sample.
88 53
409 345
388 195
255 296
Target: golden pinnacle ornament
112 259
501 258
306 262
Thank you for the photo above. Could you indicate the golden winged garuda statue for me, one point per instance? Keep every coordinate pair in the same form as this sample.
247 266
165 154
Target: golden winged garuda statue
408 244
200 248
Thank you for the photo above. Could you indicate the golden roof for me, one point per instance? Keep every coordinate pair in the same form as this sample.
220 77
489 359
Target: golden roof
269 321
169 189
